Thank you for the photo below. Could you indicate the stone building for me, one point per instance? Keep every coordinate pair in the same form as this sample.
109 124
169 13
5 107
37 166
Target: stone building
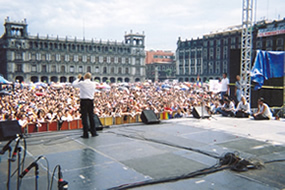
52 59
212 55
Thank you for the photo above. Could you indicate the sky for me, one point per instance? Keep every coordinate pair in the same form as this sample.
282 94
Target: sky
162 21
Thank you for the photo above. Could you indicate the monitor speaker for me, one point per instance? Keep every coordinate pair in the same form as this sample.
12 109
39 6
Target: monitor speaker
149 117
200 112
8 129
98 123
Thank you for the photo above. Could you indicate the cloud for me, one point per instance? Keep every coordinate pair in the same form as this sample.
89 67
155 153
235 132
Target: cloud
162 20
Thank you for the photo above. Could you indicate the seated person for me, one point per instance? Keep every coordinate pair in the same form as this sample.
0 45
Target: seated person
263 111
228 108
243 108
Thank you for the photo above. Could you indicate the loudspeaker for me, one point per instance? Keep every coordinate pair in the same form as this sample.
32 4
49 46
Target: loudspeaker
98 123
200 112
149 117
8 129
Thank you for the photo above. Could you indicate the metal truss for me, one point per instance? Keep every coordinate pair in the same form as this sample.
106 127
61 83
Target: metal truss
246 47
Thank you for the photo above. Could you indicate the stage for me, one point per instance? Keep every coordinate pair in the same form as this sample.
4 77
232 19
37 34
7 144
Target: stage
158 153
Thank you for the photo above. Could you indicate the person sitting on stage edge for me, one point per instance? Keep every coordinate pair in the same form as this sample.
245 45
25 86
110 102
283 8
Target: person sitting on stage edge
243 108
87 91
263 111
228 108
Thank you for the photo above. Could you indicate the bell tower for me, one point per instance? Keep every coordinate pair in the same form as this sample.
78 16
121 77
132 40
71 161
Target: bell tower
16 29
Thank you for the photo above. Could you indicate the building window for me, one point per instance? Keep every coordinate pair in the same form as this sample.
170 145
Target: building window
116 60
218 53
100 59
75 58
34 68
84 58
38 56
96 69
217 67
119 70
112 70
19 68
57 57
211 53
53 68
123 60
127 70
104 70
108 59
211 42
225 67
48 57
279 42
89 69
71 69
66 58
80 69
62 69
92 59
233 40
44 68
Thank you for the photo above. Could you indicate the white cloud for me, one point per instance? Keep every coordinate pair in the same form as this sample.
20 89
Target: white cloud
162 20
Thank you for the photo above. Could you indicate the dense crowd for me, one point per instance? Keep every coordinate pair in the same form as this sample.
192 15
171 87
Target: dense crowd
38 104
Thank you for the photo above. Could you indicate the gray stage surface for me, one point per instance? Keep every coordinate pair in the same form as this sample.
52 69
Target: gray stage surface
133 153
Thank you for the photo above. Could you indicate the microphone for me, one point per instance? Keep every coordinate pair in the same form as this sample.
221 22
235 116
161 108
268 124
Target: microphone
61 184
7 147
15 149
33 164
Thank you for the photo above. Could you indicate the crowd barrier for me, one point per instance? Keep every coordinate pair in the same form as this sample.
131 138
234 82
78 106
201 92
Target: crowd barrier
76 124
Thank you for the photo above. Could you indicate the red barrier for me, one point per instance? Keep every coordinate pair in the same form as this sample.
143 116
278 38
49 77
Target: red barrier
32 128
52 126
65 125
73 124
80 126
43 127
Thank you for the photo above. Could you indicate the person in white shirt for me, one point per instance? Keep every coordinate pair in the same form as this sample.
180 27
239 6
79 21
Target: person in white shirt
225 88
87 90
243 108
263 111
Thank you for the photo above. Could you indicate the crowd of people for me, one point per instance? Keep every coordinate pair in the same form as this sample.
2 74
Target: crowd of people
62 103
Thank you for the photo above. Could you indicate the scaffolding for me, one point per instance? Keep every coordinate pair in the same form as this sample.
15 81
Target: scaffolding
246 47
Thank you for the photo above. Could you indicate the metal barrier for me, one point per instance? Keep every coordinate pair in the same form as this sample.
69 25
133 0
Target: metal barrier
77 124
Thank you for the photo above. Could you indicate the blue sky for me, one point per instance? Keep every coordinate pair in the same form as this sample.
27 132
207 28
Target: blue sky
162 21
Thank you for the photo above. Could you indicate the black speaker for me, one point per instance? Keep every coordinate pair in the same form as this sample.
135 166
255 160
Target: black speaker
200 112
149 117
8 129
98 123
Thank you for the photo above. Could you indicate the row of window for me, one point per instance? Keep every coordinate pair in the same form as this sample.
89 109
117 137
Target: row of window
67 58
75 69
78 47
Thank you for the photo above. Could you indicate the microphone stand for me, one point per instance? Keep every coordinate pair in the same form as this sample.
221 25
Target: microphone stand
36 175
9 169
19 165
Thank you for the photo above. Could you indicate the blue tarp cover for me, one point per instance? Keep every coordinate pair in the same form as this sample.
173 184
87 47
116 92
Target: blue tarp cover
267 64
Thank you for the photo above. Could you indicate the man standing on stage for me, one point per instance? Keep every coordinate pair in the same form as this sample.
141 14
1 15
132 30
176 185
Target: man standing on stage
225 88
87 90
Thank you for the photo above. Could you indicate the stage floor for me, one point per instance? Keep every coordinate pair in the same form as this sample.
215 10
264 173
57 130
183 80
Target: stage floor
131 153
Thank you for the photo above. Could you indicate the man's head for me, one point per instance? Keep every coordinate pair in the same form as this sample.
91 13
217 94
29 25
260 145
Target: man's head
261 100
87 75
225 75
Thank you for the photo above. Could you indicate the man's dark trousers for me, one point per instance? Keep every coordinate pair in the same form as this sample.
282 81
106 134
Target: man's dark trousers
87 111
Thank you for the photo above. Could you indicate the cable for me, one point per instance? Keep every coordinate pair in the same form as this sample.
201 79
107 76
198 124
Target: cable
166 143
53 174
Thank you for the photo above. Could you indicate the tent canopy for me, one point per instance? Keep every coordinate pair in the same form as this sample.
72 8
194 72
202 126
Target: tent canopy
4 81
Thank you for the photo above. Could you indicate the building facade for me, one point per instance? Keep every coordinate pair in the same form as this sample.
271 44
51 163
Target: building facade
34 58
160 65
209 57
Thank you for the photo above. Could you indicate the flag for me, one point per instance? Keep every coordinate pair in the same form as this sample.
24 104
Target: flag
267 64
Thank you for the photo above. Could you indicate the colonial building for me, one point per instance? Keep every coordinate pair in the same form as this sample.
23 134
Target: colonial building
160 65
33 58
210 56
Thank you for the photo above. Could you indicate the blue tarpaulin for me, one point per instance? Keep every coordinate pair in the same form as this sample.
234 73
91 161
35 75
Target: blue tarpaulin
267 64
